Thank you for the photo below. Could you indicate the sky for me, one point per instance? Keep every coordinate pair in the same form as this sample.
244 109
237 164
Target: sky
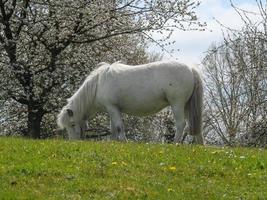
192 45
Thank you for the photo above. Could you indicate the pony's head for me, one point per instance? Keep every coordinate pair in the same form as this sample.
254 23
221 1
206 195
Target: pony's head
67 120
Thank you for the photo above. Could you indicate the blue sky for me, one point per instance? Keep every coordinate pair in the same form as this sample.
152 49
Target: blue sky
193 44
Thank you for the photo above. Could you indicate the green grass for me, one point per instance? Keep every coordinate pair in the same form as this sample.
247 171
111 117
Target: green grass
58 169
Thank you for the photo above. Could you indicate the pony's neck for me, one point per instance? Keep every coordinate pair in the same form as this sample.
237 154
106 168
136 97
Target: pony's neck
83 101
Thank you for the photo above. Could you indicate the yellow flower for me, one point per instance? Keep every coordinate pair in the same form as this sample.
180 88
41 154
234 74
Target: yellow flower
170 190
172 168
114 163
124 163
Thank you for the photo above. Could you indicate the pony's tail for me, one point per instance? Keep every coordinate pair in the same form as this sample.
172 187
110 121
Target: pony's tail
195 106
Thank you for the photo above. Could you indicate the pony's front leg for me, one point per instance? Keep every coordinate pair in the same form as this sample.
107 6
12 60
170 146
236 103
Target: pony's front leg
116 124
84 127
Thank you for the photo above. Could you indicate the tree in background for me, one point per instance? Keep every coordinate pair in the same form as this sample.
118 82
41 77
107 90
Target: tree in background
236 82
47 47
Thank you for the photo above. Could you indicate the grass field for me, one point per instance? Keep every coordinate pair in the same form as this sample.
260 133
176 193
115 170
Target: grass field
58 169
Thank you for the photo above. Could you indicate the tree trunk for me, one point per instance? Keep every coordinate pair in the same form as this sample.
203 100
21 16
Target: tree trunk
34 123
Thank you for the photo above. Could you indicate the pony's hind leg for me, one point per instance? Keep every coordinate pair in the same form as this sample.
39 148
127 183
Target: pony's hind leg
116 124
179 117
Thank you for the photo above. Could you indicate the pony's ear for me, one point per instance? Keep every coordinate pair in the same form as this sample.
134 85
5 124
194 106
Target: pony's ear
70 112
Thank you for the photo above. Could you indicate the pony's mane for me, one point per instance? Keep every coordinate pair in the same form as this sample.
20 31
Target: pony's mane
83 98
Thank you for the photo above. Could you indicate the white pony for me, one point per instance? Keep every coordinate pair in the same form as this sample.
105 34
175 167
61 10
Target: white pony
137 90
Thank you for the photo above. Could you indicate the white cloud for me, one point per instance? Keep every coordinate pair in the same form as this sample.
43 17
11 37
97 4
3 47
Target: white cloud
193 44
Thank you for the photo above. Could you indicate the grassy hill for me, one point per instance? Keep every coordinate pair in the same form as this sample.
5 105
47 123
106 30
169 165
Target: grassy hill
57 169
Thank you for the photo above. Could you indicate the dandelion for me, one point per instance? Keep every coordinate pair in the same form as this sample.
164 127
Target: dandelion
172 168
114 163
